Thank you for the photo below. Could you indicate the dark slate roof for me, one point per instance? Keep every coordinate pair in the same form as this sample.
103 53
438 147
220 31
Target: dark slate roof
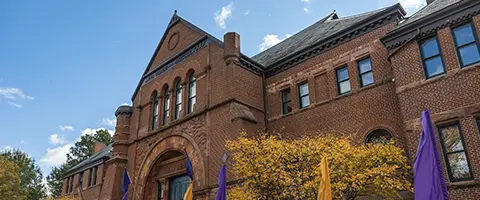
311 35
94 160
431 8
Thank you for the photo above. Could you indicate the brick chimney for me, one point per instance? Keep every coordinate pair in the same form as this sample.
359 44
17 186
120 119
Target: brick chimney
97 147
430 1
231 46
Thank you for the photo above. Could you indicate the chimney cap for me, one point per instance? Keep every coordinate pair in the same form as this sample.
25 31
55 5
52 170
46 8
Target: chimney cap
124 110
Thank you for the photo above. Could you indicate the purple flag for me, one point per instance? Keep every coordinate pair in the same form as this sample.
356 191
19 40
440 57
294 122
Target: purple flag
222 184
429 182
125 182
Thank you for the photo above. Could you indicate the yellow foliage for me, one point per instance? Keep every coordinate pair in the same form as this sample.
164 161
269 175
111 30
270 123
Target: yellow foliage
273 168
10 181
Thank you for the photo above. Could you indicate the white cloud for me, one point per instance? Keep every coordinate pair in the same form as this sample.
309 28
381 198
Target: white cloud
222 16
247 12
307 4
66 128
55 156
6 148
90 131
14 94
270 40
112 122
126 104
56 139
411 5
16 105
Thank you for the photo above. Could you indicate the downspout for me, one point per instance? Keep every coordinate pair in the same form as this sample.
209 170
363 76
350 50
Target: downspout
264 102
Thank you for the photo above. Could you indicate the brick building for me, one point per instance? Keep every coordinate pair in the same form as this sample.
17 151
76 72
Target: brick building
368 75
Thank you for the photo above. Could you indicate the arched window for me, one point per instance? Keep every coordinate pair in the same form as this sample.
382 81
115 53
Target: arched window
379 136
192 92
154 110
166 104
178 99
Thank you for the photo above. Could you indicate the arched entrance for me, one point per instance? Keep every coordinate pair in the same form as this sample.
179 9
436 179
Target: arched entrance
167 178
163 171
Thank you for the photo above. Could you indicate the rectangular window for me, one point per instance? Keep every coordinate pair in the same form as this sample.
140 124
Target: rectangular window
365 71
67 184
90 174
178 103
192 95
431 57
80 180
343 81
286 101
71 183
95 169
304 95
454 152
467 44
478 125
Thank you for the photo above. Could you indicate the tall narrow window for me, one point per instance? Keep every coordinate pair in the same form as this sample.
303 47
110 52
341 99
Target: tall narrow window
95 170
80 180
365 71
467 44
166 105
178 99
478 125
343 81
454 152
192 92
304 95
286 101
90 173
67 184
432 59
71 183
154 110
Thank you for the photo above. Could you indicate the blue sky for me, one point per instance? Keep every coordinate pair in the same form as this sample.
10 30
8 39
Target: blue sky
65 66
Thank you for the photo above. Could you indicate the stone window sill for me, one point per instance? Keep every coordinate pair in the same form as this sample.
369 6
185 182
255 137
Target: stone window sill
462 184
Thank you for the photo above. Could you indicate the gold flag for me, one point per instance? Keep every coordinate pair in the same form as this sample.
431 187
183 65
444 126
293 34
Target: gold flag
325 192
189 193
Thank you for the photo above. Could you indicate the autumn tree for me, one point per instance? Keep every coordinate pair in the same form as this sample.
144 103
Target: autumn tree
273 168
30 174
78 153
10 188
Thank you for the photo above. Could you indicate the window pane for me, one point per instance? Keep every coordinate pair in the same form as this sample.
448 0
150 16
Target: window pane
469 54
365 65
303 89
459 166
367 78
305 101
167 103
342 74
192 104
434 66
430 47
193 89
155 109
178 98
464 34
451 138
287 107
286 96
344 87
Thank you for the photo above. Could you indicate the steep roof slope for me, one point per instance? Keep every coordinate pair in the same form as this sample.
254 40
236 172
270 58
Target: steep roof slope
431 8
311 35
91 161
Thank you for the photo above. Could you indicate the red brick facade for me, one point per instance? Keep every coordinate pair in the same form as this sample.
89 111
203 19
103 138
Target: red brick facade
231 97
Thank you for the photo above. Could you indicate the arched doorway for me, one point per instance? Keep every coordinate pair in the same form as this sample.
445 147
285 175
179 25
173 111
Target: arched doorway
167 179
378 136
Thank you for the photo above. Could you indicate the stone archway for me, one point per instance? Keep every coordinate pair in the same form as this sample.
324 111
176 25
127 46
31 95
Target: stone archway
169 151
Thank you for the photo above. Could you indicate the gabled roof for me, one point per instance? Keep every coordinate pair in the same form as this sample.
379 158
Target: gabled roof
317 32
94 160
429 9
174 20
